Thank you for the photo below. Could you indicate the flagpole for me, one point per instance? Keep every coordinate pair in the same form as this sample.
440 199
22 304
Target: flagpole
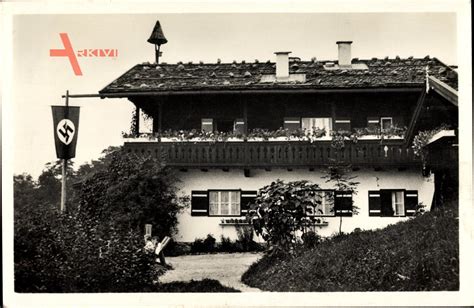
64 166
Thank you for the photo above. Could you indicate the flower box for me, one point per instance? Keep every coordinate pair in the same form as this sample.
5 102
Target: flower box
233 222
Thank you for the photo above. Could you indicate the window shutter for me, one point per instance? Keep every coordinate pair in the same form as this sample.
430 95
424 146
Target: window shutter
246 198
342 124
411 202
374 203
343 203
292 124
386 203
373 122
207 125
239 126
199 203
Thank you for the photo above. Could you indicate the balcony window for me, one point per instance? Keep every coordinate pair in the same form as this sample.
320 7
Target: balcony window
291 124
239 126
386 123
342 124
309 124
373 122
207 125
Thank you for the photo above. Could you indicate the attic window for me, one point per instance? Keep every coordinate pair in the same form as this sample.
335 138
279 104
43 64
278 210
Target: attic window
386 123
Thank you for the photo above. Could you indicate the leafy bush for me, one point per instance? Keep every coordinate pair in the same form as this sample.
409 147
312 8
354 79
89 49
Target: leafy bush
198 246
226 245
415 255
206 245
66 253
278 212
209 243
311 239
174 249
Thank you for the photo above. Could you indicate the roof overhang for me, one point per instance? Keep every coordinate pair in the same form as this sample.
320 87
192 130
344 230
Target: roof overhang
252 91
443 89
442 135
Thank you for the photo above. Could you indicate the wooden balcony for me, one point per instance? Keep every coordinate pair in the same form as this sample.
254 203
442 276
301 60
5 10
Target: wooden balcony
277 154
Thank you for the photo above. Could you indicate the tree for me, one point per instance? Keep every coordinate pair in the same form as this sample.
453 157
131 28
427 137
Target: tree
339 175
101 229
23 192
278 213
128 191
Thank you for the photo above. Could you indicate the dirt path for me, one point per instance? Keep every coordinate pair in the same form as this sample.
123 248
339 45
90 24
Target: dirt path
226 268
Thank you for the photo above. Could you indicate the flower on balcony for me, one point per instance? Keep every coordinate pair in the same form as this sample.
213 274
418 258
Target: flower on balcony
393 131
422 139
299 134
338 137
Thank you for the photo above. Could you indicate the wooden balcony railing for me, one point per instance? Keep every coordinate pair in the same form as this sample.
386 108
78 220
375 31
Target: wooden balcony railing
284 154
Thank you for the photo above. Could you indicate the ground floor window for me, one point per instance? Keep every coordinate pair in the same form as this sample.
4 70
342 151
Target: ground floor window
393 202
224 203
322 204
330 203
398 203
221 202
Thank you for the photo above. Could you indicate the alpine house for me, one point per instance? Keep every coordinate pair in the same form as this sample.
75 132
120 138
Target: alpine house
232 128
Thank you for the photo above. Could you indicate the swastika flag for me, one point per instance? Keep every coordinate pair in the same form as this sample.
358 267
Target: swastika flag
66 127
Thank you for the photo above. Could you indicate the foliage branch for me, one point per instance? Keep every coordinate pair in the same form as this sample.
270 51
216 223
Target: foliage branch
278 213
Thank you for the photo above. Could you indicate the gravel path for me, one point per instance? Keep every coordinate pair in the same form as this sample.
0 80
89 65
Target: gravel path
227 268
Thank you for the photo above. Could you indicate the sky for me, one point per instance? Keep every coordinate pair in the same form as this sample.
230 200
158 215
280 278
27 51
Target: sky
39 80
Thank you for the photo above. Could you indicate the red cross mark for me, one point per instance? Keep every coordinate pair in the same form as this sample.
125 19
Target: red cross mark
67 52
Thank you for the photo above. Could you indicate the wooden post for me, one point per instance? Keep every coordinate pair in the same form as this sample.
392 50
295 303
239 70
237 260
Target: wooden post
245 114
333 114
137 121
160 116
64 166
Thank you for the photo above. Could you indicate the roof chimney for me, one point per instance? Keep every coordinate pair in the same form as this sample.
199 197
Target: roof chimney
282 64
344 48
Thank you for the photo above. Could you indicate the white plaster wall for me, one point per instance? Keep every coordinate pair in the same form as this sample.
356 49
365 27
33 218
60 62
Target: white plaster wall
191 227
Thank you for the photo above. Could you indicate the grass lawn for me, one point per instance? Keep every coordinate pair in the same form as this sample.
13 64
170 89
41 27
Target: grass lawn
420 254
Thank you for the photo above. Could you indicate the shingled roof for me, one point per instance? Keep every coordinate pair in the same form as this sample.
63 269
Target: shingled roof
181 77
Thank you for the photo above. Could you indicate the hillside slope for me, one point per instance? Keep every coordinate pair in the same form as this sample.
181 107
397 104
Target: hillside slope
419 254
